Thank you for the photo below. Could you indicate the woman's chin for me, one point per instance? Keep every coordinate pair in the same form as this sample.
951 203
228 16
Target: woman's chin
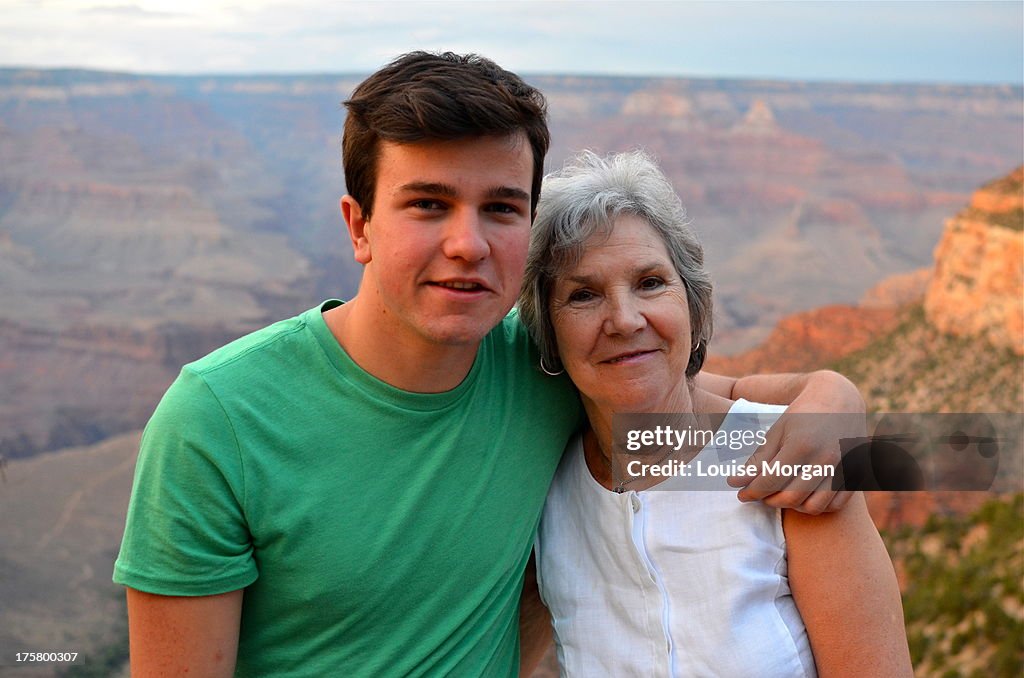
631 405
641 396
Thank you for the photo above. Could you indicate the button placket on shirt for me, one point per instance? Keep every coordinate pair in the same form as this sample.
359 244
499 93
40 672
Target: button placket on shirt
636 526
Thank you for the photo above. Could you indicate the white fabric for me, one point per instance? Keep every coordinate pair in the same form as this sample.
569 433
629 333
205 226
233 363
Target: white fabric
667 582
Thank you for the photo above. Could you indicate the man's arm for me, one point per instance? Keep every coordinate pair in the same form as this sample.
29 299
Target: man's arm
177 635
186 534
534 624
797 439
832 388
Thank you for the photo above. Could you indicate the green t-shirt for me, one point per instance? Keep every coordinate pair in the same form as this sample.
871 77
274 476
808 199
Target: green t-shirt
376 532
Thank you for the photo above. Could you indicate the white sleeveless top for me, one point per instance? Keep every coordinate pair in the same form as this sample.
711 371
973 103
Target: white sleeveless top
667 582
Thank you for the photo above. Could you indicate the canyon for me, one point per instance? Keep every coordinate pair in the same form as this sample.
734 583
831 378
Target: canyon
145 219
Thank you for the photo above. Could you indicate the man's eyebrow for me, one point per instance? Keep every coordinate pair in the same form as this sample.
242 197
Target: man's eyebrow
449 191
432 188
508 193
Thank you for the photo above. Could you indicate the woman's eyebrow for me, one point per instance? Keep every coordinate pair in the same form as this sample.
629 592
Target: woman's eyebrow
638 270
578 278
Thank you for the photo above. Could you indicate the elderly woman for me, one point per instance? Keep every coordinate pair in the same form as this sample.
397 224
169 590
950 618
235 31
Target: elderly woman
643 582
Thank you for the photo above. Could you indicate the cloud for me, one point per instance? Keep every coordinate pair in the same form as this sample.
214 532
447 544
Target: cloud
130 12
903 41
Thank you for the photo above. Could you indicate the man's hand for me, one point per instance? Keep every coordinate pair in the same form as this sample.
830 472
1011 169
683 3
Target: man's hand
799 438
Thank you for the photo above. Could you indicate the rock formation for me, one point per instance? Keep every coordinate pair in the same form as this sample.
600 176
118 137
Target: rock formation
672 111
657 103
898 290
976 289
811 340
759 121
978 286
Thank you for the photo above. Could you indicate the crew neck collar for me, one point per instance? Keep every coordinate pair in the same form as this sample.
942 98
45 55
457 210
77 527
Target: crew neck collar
355 376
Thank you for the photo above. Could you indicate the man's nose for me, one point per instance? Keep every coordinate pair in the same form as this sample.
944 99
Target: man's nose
464 237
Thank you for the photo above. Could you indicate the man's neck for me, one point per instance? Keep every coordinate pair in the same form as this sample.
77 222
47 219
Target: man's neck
417 367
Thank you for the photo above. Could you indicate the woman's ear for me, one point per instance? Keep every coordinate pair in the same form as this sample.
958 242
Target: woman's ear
357 229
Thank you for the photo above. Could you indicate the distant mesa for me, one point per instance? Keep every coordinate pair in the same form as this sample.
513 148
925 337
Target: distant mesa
759 121
657 103
674 112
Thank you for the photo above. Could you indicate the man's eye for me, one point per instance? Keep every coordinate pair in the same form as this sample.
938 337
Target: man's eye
503 208
651 283
426 204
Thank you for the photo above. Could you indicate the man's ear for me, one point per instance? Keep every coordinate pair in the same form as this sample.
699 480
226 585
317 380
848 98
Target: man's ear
353 214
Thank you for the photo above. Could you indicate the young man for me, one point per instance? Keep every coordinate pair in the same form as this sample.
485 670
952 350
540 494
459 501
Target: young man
355 490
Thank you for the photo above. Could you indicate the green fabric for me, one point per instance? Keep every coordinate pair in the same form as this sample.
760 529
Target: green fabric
378 532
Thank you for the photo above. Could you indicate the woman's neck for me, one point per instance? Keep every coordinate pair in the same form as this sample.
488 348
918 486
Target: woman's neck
598 438
682 400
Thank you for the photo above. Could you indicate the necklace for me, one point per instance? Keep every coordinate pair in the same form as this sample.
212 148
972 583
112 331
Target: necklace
621 486
596 450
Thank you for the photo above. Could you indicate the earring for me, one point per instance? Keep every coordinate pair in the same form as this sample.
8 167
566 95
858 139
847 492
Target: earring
547 371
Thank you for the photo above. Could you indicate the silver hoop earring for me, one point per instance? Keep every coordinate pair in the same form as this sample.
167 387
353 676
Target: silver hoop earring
547 371
696 347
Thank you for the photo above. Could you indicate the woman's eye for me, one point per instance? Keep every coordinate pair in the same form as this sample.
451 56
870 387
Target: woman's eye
581 295
651 283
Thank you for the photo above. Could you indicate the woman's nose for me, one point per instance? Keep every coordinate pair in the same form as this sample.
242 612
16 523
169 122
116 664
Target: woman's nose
624 316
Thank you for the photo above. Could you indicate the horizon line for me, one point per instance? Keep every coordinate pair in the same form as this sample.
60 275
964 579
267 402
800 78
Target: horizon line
526 74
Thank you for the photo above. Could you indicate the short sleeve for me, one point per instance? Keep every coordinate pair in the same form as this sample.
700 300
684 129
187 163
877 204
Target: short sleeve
186 532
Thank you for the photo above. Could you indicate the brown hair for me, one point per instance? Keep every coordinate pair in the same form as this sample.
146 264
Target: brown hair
447 96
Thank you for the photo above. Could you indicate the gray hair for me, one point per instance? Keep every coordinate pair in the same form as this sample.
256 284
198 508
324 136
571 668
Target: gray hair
586 197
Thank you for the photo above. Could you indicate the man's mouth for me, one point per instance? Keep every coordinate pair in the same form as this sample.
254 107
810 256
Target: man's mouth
461 285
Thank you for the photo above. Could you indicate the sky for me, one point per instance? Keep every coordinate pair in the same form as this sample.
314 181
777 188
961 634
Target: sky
956 42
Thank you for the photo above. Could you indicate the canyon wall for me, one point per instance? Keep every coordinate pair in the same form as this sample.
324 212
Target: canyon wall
976 290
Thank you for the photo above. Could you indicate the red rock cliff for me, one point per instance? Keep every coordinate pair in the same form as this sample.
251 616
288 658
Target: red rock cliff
978 285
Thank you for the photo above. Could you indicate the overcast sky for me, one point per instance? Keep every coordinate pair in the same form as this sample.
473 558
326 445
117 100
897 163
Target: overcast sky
972 42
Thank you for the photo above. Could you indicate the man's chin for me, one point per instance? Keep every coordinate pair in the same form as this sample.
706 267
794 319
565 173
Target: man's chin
468 332
467 338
